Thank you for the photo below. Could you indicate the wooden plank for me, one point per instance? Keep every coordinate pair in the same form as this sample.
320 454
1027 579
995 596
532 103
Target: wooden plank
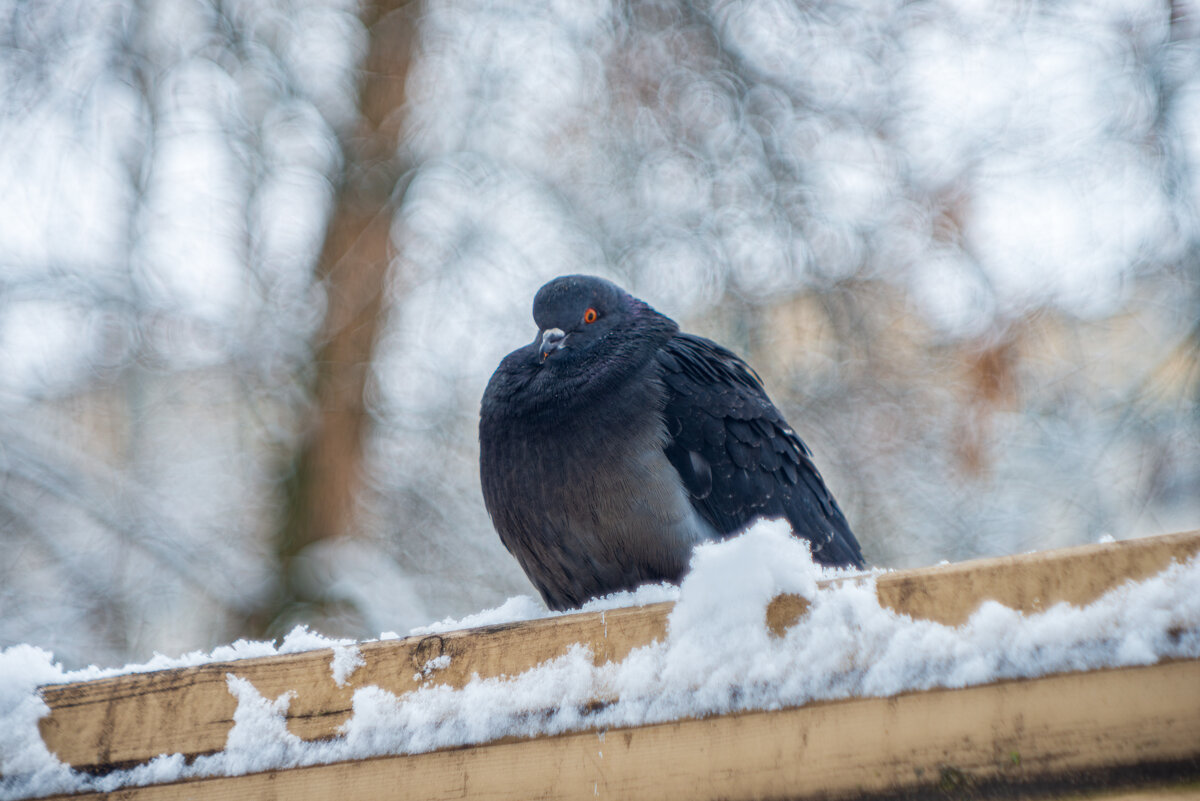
1010 734
129 719
1033 582
1185 791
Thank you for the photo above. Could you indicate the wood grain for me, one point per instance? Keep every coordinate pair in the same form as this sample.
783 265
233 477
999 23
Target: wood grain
129 719
949 741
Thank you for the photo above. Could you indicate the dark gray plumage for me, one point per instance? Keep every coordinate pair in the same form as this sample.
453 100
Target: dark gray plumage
613 443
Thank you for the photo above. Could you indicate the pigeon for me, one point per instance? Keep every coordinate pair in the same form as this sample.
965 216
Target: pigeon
613 444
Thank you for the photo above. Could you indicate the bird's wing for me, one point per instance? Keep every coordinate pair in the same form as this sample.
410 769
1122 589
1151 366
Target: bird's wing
737 456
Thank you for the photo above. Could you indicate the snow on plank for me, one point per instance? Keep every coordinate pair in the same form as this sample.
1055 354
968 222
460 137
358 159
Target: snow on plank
128 719
1079 731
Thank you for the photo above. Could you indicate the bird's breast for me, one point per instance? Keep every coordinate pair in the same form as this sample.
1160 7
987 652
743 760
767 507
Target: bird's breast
592 505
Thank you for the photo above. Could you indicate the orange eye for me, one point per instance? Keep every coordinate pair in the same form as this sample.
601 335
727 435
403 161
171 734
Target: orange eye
590 316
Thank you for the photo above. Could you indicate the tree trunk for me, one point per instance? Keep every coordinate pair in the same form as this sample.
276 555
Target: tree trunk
324 478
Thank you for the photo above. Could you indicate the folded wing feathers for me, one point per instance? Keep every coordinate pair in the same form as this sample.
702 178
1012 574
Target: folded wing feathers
718 411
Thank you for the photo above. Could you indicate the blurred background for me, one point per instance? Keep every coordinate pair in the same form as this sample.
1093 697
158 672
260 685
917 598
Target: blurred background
258 259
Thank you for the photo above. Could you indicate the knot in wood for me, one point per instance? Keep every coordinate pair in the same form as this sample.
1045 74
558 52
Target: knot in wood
428 648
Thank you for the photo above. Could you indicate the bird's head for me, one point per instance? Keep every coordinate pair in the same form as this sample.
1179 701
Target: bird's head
584 320
592 337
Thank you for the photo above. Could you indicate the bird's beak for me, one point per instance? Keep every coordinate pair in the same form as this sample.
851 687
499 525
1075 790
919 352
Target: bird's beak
552 339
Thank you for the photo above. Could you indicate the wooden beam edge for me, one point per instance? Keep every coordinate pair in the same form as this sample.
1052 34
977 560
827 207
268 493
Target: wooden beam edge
1014 733
131 718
